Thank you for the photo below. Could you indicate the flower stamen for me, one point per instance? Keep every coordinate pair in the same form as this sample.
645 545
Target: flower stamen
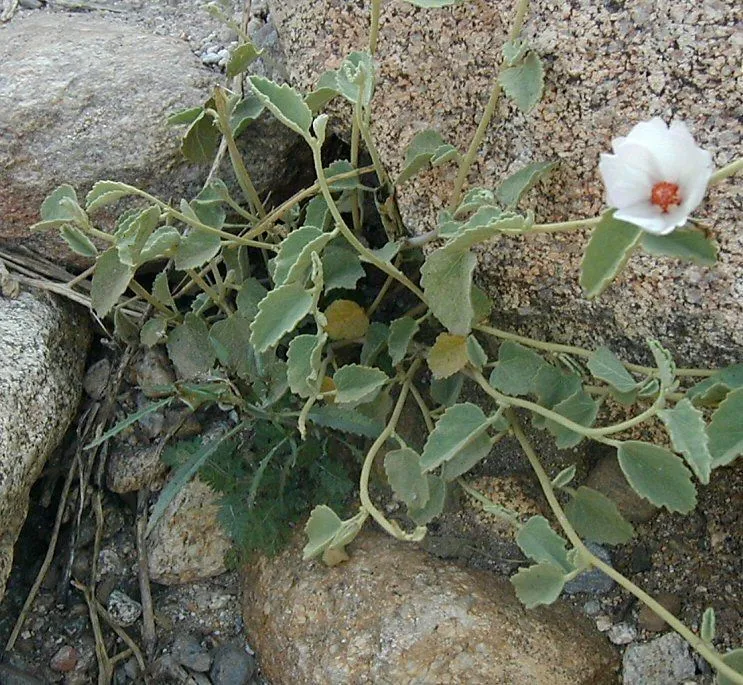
665 195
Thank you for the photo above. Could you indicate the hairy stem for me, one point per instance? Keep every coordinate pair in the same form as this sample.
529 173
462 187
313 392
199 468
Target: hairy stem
726 171
376 7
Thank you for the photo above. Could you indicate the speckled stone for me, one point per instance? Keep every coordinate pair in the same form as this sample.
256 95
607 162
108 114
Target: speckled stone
608 66
43 345
393 614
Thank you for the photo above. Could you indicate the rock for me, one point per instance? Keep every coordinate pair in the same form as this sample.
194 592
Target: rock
64 660
80 114
96 378
593 581
649 620
123 609
607 477
43 346
622 633
395 614
152 370
666 660
232 665
130 469
188 543
188 652
13 676
435 71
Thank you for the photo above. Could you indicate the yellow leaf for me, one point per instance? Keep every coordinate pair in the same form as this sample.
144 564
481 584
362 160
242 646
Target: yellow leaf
334 556
448 355
328 385
346 321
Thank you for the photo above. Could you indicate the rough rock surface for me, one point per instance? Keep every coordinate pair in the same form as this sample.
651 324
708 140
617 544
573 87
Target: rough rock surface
188 543
91 98
43 345
393 614
608 65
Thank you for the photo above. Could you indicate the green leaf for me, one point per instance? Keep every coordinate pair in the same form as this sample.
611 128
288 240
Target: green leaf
160 244
318 98
687 244
78 241
516 370
133 233
128 421
317 213
446 391
595 517
725 430
657 475
553 386
524 82
110 281
323 525
354 79
664 362
339 167
435 504
401 333
707 631
124 328
564 477
184 116
229 338
290 249
195 249
284 103
511 190
473 199
201 140
461 430
483 225
341 268
105 192
604 364
161 290
477 356
426 149
59 204
541 544
249 297
153 331
609 248
376 339
713 390
539 584
427 4
734 659
242 57
481 305
404 474
356 384
303 363
580 408
446 277
514 51
346 420
278 313
688 433
245 113
189 348
447 355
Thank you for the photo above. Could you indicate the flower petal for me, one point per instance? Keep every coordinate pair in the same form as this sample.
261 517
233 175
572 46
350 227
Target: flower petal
625 185
648 217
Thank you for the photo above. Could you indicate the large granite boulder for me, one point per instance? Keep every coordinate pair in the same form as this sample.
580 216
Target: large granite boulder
43 345
608 65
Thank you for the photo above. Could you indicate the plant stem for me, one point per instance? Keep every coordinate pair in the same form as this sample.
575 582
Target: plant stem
694 640
469 158
563 226
390 527
213 295
376 7
726 171
355 136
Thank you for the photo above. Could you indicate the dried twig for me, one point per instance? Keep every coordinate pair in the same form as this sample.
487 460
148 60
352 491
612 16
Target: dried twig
149 636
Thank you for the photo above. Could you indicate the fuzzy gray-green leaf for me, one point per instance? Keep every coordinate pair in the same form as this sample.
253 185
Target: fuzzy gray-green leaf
580 408
516 370
604 364
446 277
541 544
538 584
285 103
524 82
725 430
404 474
77 240
341 268
462 429
435 504
278 313
595 517
323 525
303 363
426 149
687 244
514 186
242 57
110 281
200 142
685 425
195 249
401 333
189 348
356 384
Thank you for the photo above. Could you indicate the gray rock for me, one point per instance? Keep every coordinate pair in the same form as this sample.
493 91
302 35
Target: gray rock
43 345
96 378
594 581
130 469
232 665
622 633
394 614
123 609
666 660
188 652
153 369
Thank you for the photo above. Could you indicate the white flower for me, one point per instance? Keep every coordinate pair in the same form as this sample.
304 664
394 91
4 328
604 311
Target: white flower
657 176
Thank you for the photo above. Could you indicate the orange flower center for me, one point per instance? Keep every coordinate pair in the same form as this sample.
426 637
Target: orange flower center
665 195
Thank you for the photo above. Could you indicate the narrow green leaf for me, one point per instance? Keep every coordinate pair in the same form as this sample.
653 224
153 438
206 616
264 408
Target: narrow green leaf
685 424
426 149
404 474
341 268
604 364
278 313
539 584
446 277
541 544
303 363
516 370
284 103
201 140
707 631
128 421
484 224
242 57
339 167
514 186
564 477
77 240
461 430
713 390
657 475
110 281
595 517
346 420
356 384
105 192
524 82
687 244
609 248
435 504
725 430
189 348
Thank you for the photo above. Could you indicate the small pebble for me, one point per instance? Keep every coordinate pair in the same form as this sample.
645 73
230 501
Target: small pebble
96 379
622 633
650 621
188 652
64 660
232 665
153 370
603 623
123 609
591 607
666 660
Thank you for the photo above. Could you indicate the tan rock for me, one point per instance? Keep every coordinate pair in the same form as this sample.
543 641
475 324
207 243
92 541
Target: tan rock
608 66
393 614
